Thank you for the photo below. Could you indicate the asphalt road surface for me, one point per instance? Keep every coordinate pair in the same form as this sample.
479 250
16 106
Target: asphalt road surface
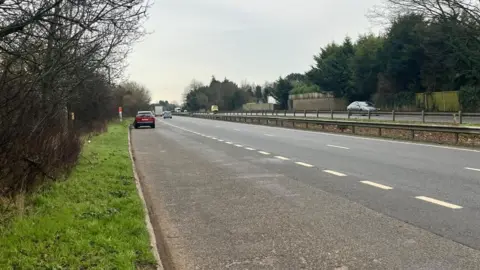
237 196
388 117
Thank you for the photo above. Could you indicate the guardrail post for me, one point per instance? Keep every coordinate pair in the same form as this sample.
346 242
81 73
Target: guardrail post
304 113
393 115
349 114
331 114
460 120
423 116
273 112
369 114
318 111
294 113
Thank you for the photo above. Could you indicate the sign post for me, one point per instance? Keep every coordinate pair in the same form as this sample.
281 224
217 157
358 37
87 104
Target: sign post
120 113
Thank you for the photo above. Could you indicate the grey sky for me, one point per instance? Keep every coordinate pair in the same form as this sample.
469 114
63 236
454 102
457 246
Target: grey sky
253 40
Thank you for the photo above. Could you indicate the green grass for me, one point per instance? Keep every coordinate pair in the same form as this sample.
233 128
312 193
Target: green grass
92 220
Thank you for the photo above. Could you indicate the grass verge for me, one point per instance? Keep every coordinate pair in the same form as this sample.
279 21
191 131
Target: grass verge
94 219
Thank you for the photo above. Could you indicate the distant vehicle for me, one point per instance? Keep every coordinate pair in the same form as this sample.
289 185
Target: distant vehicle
214 109
167 114
144 118
177 110
158 110
185 111
361 106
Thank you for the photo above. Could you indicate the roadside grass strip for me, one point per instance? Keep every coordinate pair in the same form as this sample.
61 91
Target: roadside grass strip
92 220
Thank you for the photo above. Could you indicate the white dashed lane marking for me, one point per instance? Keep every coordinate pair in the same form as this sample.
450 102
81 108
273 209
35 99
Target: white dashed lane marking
228 142
334 173
336 146
238 145
376 185
472 169
219 140
442 203
263 153
304 164
282 158
249 148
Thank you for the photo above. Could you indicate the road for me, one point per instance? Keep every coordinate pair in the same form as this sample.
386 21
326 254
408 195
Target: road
238 196
388 117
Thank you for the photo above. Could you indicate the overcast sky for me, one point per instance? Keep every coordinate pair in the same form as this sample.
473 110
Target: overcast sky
253 40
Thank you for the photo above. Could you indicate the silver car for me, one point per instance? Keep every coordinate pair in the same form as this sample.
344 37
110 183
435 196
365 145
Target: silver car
361 106
167 114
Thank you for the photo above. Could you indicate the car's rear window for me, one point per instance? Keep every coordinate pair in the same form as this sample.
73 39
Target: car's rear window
144 113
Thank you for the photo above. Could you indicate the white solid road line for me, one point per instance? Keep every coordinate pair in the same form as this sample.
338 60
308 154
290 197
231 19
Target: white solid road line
334 173
376 185
472 169
304 164
336 146
282 158
442 203
386 140
263 153
249 148
238 145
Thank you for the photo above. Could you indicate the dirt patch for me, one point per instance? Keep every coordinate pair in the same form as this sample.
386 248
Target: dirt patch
469 139
366 131
438 137
396 133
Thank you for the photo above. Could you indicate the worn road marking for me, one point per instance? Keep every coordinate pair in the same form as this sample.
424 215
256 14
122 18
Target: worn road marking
249 148
472 169
376 185
304 164
236 129
335 173
263 153
442 203
336 146
238 145
282 158
228 142
269 135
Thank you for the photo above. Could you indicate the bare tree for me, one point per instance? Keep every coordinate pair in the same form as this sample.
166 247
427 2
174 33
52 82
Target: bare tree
58 57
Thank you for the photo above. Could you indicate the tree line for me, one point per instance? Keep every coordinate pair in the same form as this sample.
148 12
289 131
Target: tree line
58 63
226 94
428 46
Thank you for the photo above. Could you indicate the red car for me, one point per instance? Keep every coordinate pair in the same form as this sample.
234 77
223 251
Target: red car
144 118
